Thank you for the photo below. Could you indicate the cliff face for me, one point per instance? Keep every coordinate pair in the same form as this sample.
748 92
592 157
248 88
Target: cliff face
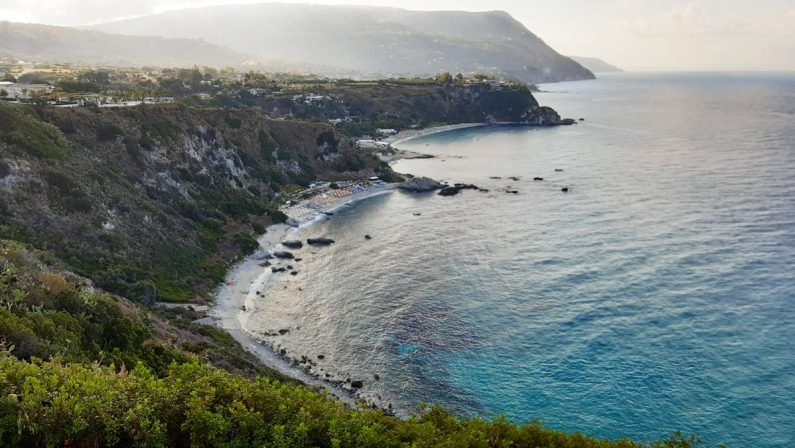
407 105
155 202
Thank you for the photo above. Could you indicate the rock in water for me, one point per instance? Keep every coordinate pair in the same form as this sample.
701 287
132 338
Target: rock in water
319 241
357 384
449 191
420 184
368 237
293 244
565 189
538 179
283 254
455 189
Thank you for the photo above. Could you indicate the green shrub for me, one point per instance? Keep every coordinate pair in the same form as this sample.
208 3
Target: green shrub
24 133
55 404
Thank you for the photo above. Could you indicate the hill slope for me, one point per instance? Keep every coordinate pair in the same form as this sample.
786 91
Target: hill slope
596 65
62 44
368 40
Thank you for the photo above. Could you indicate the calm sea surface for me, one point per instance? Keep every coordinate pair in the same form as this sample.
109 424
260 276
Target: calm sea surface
657 295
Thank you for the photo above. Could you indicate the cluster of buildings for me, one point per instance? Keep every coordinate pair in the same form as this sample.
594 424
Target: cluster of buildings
309 98
22 91
368 142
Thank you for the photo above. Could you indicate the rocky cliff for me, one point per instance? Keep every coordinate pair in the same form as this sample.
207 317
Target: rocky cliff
154 203
414 104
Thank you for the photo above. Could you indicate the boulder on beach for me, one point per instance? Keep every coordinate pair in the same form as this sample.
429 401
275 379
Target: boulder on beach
283 254
357 384
319 241
292 222
368 237
420 184
565 189
538 179
292 244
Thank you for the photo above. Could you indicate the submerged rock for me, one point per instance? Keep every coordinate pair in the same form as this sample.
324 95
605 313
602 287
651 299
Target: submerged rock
420 184
319 241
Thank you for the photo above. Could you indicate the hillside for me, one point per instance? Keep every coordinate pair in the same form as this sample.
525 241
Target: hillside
596 65
368 40
155 203
43 43
402 105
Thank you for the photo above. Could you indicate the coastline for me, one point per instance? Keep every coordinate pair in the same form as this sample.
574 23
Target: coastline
411 134
237 297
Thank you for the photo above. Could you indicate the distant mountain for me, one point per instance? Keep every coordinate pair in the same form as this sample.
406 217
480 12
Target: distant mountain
62 44
596 65
367 40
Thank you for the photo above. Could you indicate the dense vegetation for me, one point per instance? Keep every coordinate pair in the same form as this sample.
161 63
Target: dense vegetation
155 203
48 312
55 404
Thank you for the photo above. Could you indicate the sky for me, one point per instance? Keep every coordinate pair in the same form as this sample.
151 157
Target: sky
728 35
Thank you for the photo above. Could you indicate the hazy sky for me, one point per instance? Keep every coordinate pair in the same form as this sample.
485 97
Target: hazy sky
634 34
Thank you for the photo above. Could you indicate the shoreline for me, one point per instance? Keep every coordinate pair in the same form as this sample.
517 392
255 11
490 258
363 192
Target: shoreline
247 282
411 134
236 299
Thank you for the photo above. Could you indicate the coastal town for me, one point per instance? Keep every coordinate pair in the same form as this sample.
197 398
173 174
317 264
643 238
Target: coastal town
369 110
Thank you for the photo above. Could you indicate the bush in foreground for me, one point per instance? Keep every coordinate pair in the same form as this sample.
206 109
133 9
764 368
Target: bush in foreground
57 404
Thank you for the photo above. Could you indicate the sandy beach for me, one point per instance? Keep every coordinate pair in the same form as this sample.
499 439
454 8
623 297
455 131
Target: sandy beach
411 134
236 300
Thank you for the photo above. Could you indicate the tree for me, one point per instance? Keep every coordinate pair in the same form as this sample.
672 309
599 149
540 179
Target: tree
95 77
444 78
459 78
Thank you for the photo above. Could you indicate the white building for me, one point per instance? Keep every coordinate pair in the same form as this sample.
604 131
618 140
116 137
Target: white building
24 91
372 144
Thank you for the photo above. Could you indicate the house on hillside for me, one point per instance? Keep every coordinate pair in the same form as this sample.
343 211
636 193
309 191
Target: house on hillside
25 91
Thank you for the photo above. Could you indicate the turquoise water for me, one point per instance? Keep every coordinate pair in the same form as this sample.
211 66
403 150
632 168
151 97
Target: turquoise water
657 295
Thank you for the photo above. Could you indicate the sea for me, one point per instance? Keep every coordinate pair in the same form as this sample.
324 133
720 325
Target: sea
656 295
